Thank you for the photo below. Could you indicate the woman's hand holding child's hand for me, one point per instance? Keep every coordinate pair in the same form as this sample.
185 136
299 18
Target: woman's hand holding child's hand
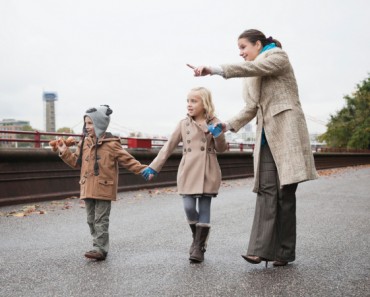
149 173
215 130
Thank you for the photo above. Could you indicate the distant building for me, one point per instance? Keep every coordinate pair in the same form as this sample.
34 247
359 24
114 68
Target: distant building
247 128
49 99
11 125
244 135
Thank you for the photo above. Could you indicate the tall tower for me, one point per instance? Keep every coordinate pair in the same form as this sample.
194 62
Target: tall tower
49 99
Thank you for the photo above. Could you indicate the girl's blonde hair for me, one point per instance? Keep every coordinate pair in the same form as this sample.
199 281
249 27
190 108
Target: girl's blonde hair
206 96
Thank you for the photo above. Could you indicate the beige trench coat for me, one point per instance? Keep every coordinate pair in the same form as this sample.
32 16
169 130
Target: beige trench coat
271 94
110 156
199 171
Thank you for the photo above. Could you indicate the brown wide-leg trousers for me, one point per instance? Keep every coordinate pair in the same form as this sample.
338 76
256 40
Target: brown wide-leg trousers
273 234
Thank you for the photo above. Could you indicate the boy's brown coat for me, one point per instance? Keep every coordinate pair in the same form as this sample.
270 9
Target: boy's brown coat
110 156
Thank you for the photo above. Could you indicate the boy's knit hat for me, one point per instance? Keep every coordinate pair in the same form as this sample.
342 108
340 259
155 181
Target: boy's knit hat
100 117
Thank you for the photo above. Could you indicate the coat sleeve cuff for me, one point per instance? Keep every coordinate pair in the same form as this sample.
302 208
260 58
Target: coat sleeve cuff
216 70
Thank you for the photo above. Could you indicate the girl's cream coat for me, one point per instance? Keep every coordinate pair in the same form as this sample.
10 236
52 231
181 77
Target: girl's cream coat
271 94
199 171
110 156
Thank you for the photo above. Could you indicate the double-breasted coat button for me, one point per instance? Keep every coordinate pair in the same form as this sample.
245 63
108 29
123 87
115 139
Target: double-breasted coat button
187 132
202 148
188 141
209 149
204 140
189 149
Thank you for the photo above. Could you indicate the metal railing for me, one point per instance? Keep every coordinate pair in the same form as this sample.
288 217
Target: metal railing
143 143
36 140
341 150
130 142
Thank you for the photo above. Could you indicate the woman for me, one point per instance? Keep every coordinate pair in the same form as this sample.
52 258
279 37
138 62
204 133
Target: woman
282 155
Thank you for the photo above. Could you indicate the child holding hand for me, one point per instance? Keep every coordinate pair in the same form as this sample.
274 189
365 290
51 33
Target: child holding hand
199 174
98 154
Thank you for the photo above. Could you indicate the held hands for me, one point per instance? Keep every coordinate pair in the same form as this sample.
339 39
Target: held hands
149 173
200 70
216 129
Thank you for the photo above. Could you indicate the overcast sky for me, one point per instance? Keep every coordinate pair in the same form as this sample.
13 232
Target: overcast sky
132 55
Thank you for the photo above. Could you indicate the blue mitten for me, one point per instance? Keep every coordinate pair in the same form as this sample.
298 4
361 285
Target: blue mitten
215 131
147 172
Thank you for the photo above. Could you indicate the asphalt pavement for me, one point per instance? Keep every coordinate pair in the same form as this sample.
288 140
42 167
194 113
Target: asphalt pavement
42 254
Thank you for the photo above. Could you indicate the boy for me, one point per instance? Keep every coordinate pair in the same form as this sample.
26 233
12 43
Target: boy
98 154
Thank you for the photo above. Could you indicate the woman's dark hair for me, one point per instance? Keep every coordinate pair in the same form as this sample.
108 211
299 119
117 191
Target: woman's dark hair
254 35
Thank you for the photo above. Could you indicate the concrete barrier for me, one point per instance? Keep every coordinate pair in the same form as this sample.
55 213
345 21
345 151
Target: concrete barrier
36 174
31 175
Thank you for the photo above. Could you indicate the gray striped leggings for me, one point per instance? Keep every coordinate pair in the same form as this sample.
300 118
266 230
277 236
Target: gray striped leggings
203 214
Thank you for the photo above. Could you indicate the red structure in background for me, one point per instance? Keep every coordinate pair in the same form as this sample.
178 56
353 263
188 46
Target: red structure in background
145 143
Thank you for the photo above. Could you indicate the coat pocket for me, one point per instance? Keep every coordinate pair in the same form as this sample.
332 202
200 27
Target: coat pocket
278 108
105 188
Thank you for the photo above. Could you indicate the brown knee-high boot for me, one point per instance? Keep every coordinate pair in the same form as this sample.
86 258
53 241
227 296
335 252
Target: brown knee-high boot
193 231
201 237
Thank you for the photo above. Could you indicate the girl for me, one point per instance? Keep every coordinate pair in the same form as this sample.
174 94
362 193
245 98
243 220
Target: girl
282 155
199 174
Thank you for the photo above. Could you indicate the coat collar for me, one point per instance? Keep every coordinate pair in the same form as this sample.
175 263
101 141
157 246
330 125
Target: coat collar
208 121
253 87
202 127
105 138
267 53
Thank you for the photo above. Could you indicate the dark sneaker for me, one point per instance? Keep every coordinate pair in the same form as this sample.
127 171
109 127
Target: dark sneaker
95 255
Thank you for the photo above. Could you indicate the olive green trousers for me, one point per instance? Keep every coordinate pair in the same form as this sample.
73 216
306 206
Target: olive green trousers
98 212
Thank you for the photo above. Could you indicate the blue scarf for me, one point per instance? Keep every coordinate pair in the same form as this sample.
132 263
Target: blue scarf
265 48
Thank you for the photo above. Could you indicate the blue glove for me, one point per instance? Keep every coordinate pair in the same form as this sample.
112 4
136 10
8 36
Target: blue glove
215 131
148 171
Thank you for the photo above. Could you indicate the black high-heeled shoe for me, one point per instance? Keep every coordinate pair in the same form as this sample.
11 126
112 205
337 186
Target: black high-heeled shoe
279 263
255 259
